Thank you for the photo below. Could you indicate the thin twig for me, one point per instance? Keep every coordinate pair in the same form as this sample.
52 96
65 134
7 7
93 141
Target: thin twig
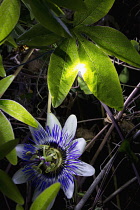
120 189
94 184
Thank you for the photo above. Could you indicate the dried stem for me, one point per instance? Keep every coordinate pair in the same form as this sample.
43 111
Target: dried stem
120 189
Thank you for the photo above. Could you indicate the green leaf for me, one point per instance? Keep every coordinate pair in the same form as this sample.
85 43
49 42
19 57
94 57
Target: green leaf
94 11
83 86
18 111
46 197
5 83
19 207
10 41
124 75
126 148
100 74
2 71
71 4
7 147
6 134
10 11
8 188
48 19
114 43
62 70
135 44
38 36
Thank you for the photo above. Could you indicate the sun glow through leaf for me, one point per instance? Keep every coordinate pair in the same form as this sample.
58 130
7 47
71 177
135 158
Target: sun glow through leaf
81 67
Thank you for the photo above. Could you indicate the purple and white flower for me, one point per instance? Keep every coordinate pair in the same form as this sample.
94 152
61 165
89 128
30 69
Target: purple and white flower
53 158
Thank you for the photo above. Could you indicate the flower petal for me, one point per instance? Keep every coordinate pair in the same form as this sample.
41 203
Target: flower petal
39 134
21 150
84 169
52 120
80 146
20 177
69 128
69 191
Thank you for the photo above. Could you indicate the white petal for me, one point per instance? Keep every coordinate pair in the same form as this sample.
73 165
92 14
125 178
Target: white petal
52 120
84 169
19 177
19 150
69 192
70 128
80 146
39 134
22 148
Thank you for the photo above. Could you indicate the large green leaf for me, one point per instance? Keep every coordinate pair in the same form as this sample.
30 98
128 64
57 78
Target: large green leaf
7 147
6 134
84 86
18 111
62 71
48 19
38 36
114 43
9 15
71 4
94 11
4 83
46 197
8 188
100 74
2 71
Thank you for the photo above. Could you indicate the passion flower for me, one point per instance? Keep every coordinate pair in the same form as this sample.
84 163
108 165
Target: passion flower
53 158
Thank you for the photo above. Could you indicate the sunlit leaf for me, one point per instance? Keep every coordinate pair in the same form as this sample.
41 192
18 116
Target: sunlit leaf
71 4
18 111
114 43
9 15
8 188
46 197
83 86
2 71
7 147
94 11
100 74
48 19
4 83
62 71
6 134
38 36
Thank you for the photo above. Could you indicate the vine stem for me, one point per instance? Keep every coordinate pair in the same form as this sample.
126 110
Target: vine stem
24 61
94 184
18 69
104 170
49 102
120 189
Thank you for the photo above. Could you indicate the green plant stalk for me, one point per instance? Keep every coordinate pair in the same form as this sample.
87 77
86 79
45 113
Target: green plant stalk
49 102
24 61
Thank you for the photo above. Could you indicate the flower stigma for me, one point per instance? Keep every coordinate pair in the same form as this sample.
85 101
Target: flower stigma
47 159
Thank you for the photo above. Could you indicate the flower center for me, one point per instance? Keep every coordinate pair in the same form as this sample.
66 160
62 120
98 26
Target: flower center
48 159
